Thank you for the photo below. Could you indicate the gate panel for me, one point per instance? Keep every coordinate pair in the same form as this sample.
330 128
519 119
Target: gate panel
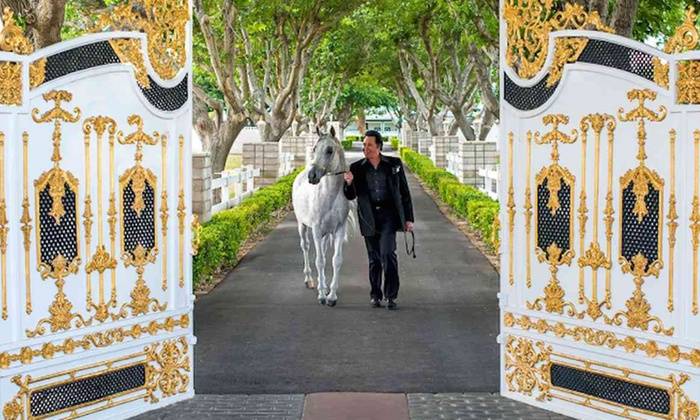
600 218
95 225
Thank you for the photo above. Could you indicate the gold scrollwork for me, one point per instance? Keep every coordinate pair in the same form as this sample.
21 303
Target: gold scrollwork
181 211
138 177
26 221
688 84
4 228
554 175
641 179
56 180
686 36
102 260
566 50
100 339
528 211
12 39
165 24
527 367
600 338
594 257
168 370
672 218
661 70
129 52
695 219
164 209
529 25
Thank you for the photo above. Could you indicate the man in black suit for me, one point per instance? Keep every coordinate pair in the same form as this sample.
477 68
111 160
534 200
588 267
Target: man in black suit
384 207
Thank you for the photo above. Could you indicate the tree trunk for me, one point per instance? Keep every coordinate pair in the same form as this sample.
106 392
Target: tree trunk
435 125
44 19
361 122
222 143
464 126
623 17
487 121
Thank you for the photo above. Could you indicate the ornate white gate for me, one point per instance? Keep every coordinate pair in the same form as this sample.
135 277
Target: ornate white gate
600 216
95 238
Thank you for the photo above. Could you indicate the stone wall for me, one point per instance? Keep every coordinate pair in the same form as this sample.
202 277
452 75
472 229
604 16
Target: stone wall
266 157
441 146
474 155
201 186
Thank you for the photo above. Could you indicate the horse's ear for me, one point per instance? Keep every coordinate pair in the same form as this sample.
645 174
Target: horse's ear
332 131
318 131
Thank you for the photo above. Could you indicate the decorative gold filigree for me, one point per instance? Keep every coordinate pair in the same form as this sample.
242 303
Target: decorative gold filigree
554 137
141 301
129 52
686 35
566 50
164 22
553 299
638 308
528 211
4 228
18 407
688 83
695 219
12 39
26 221
102 259
661 70
527 367
99 339
181 210
169 368
10 83
593 257
138 175
528 25
601 338
57 180
672 218
164 209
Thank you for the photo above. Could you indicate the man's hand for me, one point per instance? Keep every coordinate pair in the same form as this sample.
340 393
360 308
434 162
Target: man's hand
348 177
409 226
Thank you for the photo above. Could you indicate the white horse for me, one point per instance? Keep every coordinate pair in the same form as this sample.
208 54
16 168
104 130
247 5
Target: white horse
322 212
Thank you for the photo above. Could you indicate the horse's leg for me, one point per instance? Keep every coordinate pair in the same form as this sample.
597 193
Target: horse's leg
319 244
305 247
338 239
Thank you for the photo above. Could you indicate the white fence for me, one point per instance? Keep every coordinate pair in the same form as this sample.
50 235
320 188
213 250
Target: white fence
490 184
232 187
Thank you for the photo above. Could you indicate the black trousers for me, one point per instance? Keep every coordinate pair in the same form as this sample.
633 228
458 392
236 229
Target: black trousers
381 250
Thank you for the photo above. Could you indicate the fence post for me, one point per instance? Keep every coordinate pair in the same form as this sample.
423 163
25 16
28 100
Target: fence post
201 186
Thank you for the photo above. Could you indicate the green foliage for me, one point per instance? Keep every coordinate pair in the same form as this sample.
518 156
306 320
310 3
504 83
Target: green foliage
394 142
347 143
222 236
353 138
466 201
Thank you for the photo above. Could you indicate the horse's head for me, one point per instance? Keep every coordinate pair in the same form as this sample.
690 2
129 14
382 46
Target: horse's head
328 157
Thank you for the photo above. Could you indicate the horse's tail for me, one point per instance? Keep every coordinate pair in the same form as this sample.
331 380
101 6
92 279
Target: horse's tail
351 225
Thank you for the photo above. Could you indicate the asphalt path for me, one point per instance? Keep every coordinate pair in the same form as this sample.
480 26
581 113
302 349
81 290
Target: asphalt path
262 332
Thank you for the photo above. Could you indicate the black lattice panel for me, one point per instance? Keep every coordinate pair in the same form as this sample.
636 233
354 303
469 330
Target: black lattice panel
139 229
619 57
57 238
640 237
553 228
82 391
608 388
166 99
527 98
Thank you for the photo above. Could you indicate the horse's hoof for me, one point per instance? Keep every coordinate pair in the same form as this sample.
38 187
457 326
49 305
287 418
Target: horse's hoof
310 285
322 301
331 303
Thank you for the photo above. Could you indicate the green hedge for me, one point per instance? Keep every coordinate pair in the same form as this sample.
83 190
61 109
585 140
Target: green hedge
468 202
353 138
222 236
394 142
347 144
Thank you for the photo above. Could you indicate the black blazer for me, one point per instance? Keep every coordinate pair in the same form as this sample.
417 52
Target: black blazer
398 189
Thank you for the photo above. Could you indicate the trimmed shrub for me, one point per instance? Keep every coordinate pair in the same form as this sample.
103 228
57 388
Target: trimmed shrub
468 202
394 142
347 144
222 236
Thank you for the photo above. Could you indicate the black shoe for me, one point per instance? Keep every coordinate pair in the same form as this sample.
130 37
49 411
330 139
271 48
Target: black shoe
376 303
391 305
